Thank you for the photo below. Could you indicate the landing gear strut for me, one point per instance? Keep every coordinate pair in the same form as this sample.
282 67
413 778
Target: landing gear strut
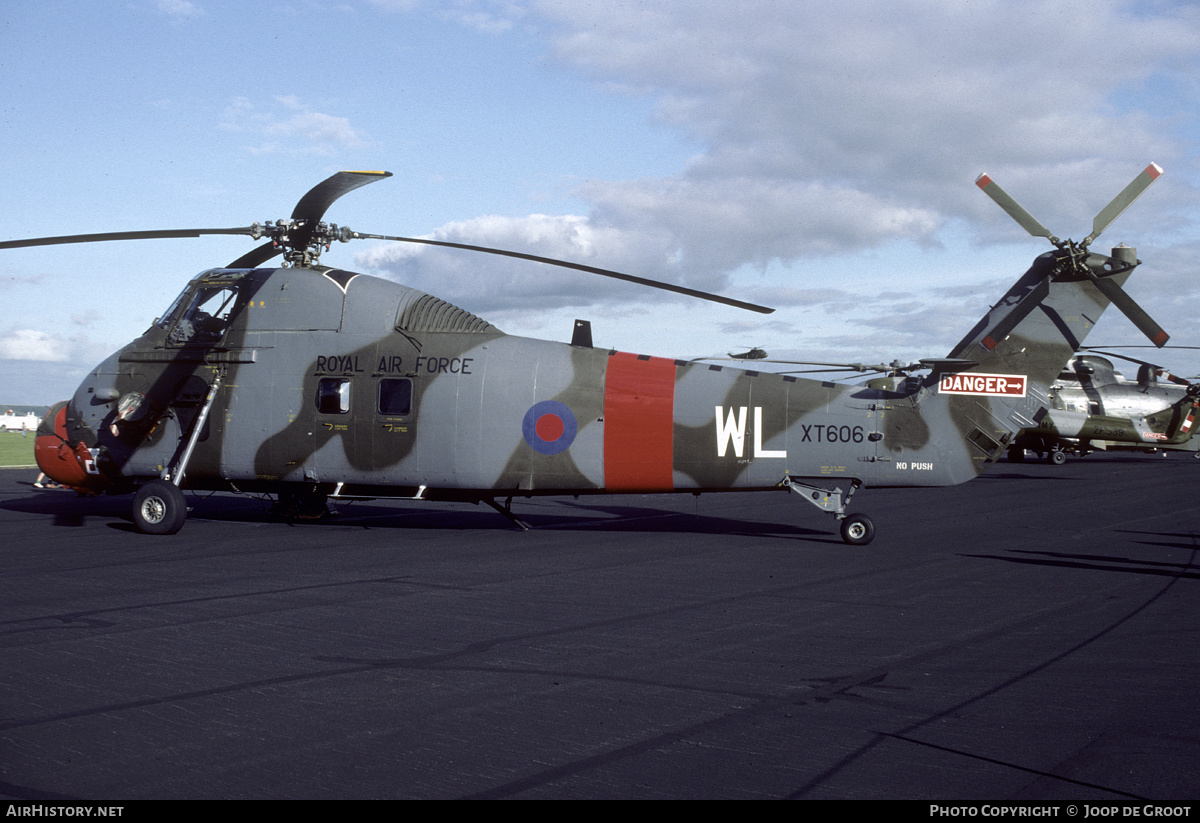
856 529
159 506
507 511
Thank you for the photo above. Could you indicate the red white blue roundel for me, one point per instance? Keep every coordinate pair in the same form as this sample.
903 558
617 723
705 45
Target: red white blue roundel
549 427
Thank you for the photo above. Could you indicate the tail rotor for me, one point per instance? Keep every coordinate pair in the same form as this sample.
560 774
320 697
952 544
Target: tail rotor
1073 260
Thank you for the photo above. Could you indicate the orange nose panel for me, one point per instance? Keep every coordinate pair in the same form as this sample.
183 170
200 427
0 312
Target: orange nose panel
59 460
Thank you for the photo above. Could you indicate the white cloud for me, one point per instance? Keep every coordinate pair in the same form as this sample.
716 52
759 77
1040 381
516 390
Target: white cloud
179 9
828 130
484 283
29 344
905 101
288 125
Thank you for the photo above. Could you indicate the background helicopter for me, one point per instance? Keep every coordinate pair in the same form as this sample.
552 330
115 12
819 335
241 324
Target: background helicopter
314 383
1094 407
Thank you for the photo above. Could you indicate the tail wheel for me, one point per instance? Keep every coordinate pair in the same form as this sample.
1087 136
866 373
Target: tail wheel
858 530
159 507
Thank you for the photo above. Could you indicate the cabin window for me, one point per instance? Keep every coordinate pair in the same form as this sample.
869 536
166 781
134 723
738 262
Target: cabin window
395 396
333 395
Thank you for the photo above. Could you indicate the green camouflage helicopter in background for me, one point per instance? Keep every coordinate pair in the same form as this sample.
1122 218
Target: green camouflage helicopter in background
1093 407
315 384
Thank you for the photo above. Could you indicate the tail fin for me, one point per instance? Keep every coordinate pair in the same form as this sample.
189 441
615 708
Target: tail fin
1177 421
1041 322
1020 347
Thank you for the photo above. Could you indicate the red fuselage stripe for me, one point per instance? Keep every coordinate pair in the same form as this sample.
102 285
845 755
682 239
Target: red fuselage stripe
639 410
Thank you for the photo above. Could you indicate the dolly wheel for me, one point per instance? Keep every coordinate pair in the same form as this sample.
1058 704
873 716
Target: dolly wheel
858 530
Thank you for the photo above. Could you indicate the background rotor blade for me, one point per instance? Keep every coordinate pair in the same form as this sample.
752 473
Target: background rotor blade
815 371
1095 350
1136 314
656 284
946 364
1123 200
121 235
1014 209
1159 370
256 256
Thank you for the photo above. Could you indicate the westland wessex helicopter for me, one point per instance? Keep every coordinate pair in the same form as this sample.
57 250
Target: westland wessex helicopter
314 384
1095 408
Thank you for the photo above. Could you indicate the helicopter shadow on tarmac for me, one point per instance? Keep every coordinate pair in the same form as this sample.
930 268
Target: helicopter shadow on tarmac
616 515
623 514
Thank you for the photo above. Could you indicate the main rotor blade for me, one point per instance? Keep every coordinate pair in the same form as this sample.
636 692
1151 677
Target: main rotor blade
858 367
256 256
655 284
313 205
1123 200
1014 209
122 235
1136 314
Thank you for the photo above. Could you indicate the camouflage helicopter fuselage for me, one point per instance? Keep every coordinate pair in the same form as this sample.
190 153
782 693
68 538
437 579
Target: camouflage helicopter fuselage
329 383
1092 408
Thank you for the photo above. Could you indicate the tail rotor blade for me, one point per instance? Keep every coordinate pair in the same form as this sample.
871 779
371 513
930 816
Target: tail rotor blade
1123 200
1136 314
1019 312
1014 209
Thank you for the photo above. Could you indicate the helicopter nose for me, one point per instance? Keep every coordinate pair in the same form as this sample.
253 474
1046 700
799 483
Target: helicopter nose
72 465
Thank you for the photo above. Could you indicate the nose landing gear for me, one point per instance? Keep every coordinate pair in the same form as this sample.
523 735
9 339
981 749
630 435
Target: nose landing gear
159 507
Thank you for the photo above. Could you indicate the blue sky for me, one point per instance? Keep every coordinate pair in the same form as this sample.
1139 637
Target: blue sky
818 158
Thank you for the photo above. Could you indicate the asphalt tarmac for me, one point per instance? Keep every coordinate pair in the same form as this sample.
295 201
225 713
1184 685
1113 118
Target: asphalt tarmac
1032 634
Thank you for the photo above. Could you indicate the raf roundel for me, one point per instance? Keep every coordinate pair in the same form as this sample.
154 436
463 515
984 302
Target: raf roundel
549 427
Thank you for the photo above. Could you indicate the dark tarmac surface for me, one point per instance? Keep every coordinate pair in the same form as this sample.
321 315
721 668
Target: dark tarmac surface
1032 634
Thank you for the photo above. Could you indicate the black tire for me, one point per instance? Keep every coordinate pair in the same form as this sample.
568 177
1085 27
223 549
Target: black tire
1016 454
1057 457
858 530
159 507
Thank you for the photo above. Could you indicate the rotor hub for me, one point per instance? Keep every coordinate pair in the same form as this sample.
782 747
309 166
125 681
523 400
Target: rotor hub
302 246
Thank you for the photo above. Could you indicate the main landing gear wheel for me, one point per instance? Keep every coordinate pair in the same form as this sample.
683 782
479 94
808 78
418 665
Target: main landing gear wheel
858 530
1057 457
159 507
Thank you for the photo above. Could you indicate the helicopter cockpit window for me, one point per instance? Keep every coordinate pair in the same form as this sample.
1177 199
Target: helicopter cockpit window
204 317
333 395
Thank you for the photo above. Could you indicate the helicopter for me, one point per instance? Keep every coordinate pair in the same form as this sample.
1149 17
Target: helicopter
316 384
1095 407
